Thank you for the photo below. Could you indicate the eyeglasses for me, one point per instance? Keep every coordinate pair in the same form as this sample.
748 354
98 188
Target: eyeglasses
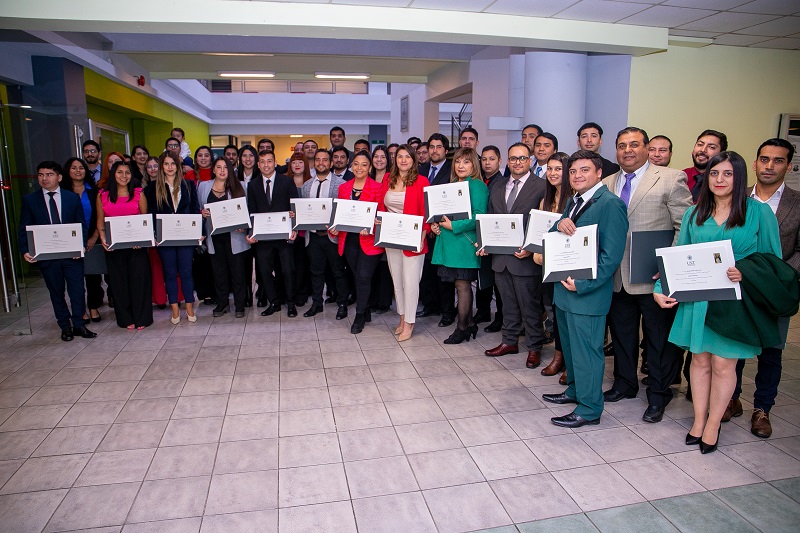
520 159
173 146
89 151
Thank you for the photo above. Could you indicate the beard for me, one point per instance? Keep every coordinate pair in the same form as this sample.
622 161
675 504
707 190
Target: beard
698 165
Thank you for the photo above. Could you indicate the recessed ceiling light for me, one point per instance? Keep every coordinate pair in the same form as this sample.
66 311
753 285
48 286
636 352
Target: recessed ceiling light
246 74
341 75
295 136
25 107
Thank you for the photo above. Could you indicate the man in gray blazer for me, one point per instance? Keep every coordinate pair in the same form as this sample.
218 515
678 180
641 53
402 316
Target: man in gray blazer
517 277
322 247
656 198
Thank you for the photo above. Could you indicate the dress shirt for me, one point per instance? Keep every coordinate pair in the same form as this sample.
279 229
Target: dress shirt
586 197
322 187
634 182
271 185
175 201
510 185
247 178
95 174
539 170
773 200
56 197
438 167
340 176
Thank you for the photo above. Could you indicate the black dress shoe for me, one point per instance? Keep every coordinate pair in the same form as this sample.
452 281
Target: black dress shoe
208 301
653 414
341 313
220 310
573 421
379 310
358 324
239 314
291 310
558 398
270 310
691 440
262 302
495 326
330 300
248 299
708 448
646 381
97 318
66 334
427 312
446 321
612 396
83 332
480 317
313 310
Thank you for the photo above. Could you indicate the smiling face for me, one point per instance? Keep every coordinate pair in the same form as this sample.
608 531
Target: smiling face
122 176
140 156
297 167
232 155
379 161
519 162
91 154
529 136
555 172
583 175
720 180
248 160
631 151
221 170
310 148
322 163
463 168
589 139
659 152
266 164
169 167
76 171
339 162
203 158
360 167
151 167
543 148
704 149
404 161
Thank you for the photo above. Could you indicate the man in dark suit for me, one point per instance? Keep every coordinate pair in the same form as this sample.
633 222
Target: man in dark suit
269 194
54 205
582 305
517 277
340 162
590 137
490 165
773 160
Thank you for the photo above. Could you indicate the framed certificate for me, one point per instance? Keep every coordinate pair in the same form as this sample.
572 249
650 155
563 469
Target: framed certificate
499 234
179 230
570 256
353 216
539 223
228 215
129 231
272 226
312 213
451 199
55 241
396 230
643 263
698 272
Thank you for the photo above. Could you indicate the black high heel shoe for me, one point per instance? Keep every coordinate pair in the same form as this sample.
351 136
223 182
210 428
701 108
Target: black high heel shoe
691 440
472 330
708 448
458 336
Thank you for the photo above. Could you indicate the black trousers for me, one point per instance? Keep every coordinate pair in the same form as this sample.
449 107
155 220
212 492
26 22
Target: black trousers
322 252
229 272
61 274
94 291
129 278
382 287
483 301
203 279
437 296
363 267
768 378
266 253
663 357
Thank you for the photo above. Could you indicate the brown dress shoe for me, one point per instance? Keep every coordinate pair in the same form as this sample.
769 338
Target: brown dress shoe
734 409
555 366
534 359
563 379
760 424
502 349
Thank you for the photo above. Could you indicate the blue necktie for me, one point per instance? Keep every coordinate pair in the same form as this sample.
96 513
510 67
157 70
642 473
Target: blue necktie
625 195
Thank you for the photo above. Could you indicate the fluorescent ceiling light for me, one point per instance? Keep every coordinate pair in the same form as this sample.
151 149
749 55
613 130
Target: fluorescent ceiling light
341 76
246 74
295 136
25 107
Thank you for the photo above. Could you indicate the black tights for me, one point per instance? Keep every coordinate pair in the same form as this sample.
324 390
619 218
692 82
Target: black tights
464 291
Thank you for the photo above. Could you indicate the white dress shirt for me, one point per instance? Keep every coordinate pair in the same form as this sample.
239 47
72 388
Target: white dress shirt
773 200
586 197
639 172
57 198
271 185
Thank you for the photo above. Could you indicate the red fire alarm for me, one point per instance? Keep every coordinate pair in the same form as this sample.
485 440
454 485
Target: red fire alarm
140 81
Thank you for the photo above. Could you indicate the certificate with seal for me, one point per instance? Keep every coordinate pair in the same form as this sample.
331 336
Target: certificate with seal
499 234
129 231
353 216
399 231
539 223
698 272
228 215
573 256
179 230
55 241
311 213
450 199
272 226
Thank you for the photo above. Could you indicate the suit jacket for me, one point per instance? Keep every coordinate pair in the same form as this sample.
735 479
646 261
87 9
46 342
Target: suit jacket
593 296
658 203
187 205
35 212
333 192
609 167
347 176
283 190
239 242
788 215
442 174
414 204
370 193
529 197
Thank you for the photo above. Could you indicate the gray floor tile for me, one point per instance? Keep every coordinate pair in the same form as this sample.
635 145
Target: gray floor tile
244 403
177 525
414 411
57 394
369 443
454 509
109 391
514 399
354 394
597 487
631 519
447 385
483 430
762 505
77 439
618 444
560 452
200 406
505 459
396 513
444 468
404 389
261 521
351 417
790 487
170 498
99 506
133 435
20 444
428 437
312 484
242 492
577 523
534 424
534 497
465 405
246 456
46 473
124 466
249 427
182 461
713 471
192 431
29 511
334 516
305 422
299 399
656 478
702 512
144 410
764 460
379 477
35 417
308 450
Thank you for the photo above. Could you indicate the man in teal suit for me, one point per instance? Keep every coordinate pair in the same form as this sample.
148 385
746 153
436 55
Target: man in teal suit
582 305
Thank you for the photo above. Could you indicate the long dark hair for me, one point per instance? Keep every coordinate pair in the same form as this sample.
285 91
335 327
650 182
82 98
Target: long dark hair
413 172
232 185
380 148
111 184
206 148
550 200
707 202
240 169
66 181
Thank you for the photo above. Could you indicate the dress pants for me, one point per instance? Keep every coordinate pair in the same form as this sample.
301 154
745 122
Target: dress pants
768 377
663 357
437 296
129 273
582 341
229 272
61 274
177 260
363 267
201 274
322 252
94 291
406 274
522 308
483 301
265 253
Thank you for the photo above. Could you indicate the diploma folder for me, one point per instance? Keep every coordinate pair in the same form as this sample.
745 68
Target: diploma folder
708 294
413 220
456 192
643 263
195 219
576 242
325 203
146 221
234 203
55 232
510 225
339 203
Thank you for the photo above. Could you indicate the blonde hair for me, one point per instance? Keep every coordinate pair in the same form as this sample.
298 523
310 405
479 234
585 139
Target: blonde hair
161 182
471 155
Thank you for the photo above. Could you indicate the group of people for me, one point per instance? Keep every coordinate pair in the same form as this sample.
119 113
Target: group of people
640 192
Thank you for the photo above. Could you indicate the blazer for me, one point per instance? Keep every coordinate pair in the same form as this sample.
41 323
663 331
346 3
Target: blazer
370 193
348 174
658 203
442 175
788 215
593 296
333 192
239 242
35 212
283 190
187 205
414 205
529 197
609 167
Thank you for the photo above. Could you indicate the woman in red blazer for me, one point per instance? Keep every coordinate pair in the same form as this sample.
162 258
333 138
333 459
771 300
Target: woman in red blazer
360 251
402 193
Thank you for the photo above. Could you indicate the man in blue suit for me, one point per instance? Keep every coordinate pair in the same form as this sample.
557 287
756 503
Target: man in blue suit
54 205
582 305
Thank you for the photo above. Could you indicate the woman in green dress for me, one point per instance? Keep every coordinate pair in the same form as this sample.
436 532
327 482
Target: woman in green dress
454 251
723 211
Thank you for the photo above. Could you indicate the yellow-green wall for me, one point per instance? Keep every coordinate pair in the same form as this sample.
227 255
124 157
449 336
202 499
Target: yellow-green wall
739 91
148 120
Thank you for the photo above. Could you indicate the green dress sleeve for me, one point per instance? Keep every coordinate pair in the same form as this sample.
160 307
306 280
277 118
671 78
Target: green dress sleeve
479 200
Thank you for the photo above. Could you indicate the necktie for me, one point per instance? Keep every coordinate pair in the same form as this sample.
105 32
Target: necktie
578 204
432 174
54 218
512 196
319 186
538 171
269 197
625 194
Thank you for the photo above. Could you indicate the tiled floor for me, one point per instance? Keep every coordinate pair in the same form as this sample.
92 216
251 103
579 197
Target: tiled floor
277 424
